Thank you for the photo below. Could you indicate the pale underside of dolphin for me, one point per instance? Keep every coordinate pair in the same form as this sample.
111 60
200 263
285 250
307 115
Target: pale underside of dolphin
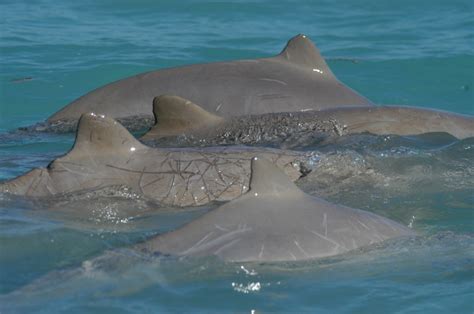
296 79
275 221
106 154
176 116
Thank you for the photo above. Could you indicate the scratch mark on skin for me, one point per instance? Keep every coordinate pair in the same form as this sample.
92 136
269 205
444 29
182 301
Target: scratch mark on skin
272 96
362 224
386 222
49 189
207 191
273 80
202 200
55 170
165 160
64 162
197 243
380 238
223 238
82 171
170 188
226 246
33 182
187 166
147 172
260 255
362 125
223 191
170 166
187 183
178 168
220 175
325 223
152 182
81 187
194 198
301 249
355 227
140 181
220 228
327 239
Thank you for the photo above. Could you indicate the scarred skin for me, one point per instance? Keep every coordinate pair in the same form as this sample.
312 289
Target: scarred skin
182 122
296 79
275 221
106 154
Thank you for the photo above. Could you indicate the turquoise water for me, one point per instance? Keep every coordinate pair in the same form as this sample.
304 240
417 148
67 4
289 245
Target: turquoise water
393 52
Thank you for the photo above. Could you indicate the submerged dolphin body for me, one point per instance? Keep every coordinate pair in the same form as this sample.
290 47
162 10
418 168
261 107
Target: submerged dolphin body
176 116
275 221
296 79
105 154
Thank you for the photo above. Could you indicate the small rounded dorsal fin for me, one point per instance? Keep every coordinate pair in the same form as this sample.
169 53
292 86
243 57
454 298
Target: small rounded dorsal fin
300 50
98 134
268 179
175 115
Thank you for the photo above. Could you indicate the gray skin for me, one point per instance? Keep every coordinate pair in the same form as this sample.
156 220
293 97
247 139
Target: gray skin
181 122
275 221
105 154
296 79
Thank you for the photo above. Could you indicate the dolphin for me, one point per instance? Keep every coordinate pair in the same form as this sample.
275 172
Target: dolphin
296 79
105 154
275 221
193 125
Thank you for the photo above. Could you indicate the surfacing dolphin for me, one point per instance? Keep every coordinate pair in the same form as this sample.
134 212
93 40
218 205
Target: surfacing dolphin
105 154
296 79
179 121
275 221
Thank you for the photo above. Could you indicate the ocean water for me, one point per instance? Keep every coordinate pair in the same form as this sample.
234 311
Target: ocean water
405 52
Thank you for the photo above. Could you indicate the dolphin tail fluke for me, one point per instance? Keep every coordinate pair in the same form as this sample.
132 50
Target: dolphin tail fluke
175 115
268 179
98 134
300 50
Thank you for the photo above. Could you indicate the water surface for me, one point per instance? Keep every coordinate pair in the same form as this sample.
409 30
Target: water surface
405 52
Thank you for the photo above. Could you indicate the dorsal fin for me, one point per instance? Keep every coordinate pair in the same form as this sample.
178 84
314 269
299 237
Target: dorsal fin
98 134
268 179
301 51
175 115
